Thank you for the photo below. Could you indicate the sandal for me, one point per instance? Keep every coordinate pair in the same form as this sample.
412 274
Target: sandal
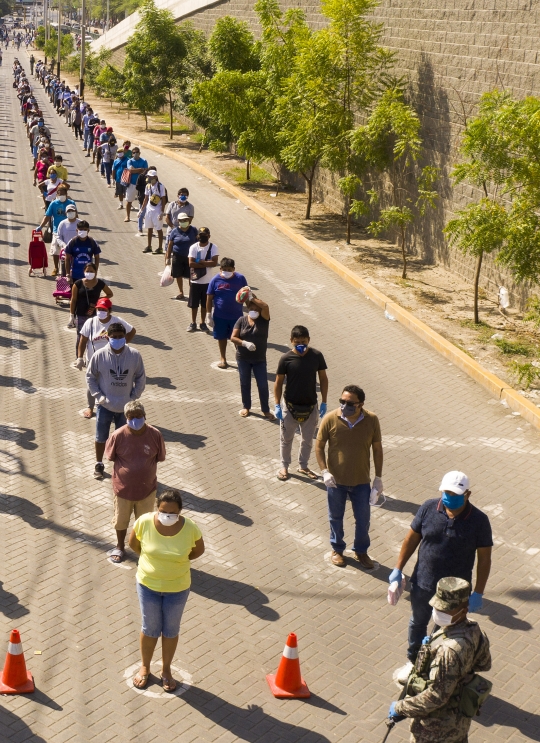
119 554
308 473
244 413
169 684
269 416
179 296
222 365
283 475
143 680
86 412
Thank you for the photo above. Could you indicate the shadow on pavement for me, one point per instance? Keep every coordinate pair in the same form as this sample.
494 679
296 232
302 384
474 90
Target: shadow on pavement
13 343
229 511
499 712
277 347
400 506
526 594
130 310
24 437
14 728
250 724
163 382
504 616
10 606
190 440
229 591
12 465
144 340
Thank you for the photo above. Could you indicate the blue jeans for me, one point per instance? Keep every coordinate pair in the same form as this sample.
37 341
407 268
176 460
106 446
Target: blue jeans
141 219
418 623
88 139
161 612
104 418
245 368
337 499
108 171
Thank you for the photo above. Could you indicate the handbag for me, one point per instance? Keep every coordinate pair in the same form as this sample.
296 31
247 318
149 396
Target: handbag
47 234
300 413
125 178
198 273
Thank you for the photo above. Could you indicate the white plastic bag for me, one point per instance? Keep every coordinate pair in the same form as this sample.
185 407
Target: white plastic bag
395 590
166 278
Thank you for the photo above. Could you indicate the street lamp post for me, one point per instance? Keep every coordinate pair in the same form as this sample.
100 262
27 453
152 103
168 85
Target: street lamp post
83 51
108 8
45 15
59 38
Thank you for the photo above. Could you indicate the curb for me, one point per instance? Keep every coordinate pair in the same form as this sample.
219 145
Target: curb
490 382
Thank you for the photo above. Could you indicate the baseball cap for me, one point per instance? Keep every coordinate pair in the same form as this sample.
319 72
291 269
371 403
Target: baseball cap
182 217
455 481
71 208
451 593
152 173
104 303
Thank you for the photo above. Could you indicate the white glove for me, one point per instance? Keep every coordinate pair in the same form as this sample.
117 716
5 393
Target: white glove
79 363
210 320
329 479
377 483
250 346
101 399
71 323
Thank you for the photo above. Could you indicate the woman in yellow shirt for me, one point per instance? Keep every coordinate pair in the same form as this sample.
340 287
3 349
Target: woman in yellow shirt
165 542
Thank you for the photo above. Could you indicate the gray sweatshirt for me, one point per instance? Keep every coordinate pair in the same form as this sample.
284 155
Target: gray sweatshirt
116 378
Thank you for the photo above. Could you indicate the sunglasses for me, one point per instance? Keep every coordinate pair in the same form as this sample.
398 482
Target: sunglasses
348 402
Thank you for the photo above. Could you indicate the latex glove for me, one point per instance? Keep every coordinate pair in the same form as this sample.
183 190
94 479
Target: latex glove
329 479
249 346
38 229
71 323
278 412
395 575
323 407
393 715
197 259
79 363
377 483
475 601
210 320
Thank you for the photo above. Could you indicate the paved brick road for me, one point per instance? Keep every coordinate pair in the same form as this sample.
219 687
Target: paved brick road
266 570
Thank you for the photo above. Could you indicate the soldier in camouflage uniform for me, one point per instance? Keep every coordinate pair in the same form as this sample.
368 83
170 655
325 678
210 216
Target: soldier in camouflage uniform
445 664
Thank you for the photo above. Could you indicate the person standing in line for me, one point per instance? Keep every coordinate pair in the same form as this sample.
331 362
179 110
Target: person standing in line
451 534
119 165
351 432
179 241
115 376
59 168
67 230
135 449
55 214
93 337
250 336
155 199
85 293
181 207
221 296
108 156
439 699
301 366
135 165
203 259
81 250
166 542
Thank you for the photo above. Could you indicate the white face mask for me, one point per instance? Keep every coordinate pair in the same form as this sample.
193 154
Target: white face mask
89 276
62 198
82 233
168 519
253 314
227 274
441 618
71 216
102 314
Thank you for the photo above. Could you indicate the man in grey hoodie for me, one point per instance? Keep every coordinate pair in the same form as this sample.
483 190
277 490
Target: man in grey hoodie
115 376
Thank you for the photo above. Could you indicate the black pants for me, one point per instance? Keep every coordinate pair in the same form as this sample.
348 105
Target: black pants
78 131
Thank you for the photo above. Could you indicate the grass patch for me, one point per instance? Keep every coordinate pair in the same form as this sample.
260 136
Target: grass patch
516 348
258 175
484 330
526 374
197 137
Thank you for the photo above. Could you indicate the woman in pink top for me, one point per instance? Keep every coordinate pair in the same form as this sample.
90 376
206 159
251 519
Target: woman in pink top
43 164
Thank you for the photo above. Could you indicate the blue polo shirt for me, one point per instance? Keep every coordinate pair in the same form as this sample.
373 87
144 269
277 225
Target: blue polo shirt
448 546
140 163
81 252
182 241
225 291
57 212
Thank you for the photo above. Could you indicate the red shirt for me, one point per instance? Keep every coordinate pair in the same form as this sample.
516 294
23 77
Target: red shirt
135 460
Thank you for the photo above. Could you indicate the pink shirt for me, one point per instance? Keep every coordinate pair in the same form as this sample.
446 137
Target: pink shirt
135 460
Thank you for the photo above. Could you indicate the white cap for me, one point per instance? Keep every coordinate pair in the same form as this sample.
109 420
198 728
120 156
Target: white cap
182 217
71 208
152 173
455 482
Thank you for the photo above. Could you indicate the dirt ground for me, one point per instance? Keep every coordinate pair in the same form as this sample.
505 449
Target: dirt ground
439 297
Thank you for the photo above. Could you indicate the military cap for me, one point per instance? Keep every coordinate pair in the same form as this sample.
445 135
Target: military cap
451 594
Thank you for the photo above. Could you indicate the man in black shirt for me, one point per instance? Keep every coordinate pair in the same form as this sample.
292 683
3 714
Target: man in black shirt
301 367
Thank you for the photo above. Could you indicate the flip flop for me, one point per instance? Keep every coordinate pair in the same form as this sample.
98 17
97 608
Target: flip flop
223 366
144 680
308 473
84 415
168 684
117 553
243 413
283 477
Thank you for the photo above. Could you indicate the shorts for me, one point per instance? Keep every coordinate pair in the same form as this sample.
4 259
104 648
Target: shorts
104 418
161 612
180 267
223 328
54 248
123 509
197 295
131 192
120 190
152 220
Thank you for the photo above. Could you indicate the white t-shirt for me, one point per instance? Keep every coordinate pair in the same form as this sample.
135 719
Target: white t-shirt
196 251
154 190
96 332
52 188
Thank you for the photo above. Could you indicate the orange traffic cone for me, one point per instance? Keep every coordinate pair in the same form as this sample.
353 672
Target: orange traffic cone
288 683
15 678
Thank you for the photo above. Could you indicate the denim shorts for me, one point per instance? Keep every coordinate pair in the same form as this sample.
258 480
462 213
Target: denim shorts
104 418
161 612
223 328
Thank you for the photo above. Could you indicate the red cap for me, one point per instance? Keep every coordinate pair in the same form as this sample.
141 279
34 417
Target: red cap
104 303
109 129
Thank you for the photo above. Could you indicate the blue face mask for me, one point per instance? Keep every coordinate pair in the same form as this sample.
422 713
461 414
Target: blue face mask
453 502
301 347
117 343
183 198
136 423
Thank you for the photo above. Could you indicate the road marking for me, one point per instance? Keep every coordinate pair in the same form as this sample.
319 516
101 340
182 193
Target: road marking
15 338
181 688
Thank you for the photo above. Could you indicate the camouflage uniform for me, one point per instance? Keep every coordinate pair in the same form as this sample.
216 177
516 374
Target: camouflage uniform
456 653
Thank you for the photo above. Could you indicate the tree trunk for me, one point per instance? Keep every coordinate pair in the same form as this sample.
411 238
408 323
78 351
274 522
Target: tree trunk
404 254
476 282
248 169
309 196
171 131
145 121
348 203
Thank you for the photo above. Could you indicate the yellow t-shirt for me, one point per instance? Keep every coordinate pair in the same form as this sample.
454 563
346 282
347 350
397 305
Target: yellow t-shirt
60 169
164 564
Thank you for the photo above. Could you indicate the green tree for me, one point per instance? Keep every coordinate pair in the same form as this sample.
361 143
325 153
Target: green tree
197 66
51 45
232 46
110 82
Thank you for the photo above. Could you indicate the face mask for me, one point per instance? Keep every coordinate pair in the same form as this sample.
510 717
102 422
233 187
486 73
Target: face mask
347 409
117 343
88 275
253 314
62 198
301 347
441 618
136 423
227 274
453 502
53 177
184 224
153 181
168 519
102 314
182 198
71 216
82 233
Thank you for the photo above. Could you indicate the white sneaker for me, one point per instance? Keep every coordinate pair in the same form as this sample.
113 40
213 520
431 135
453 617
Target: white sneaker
120 206
401 675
